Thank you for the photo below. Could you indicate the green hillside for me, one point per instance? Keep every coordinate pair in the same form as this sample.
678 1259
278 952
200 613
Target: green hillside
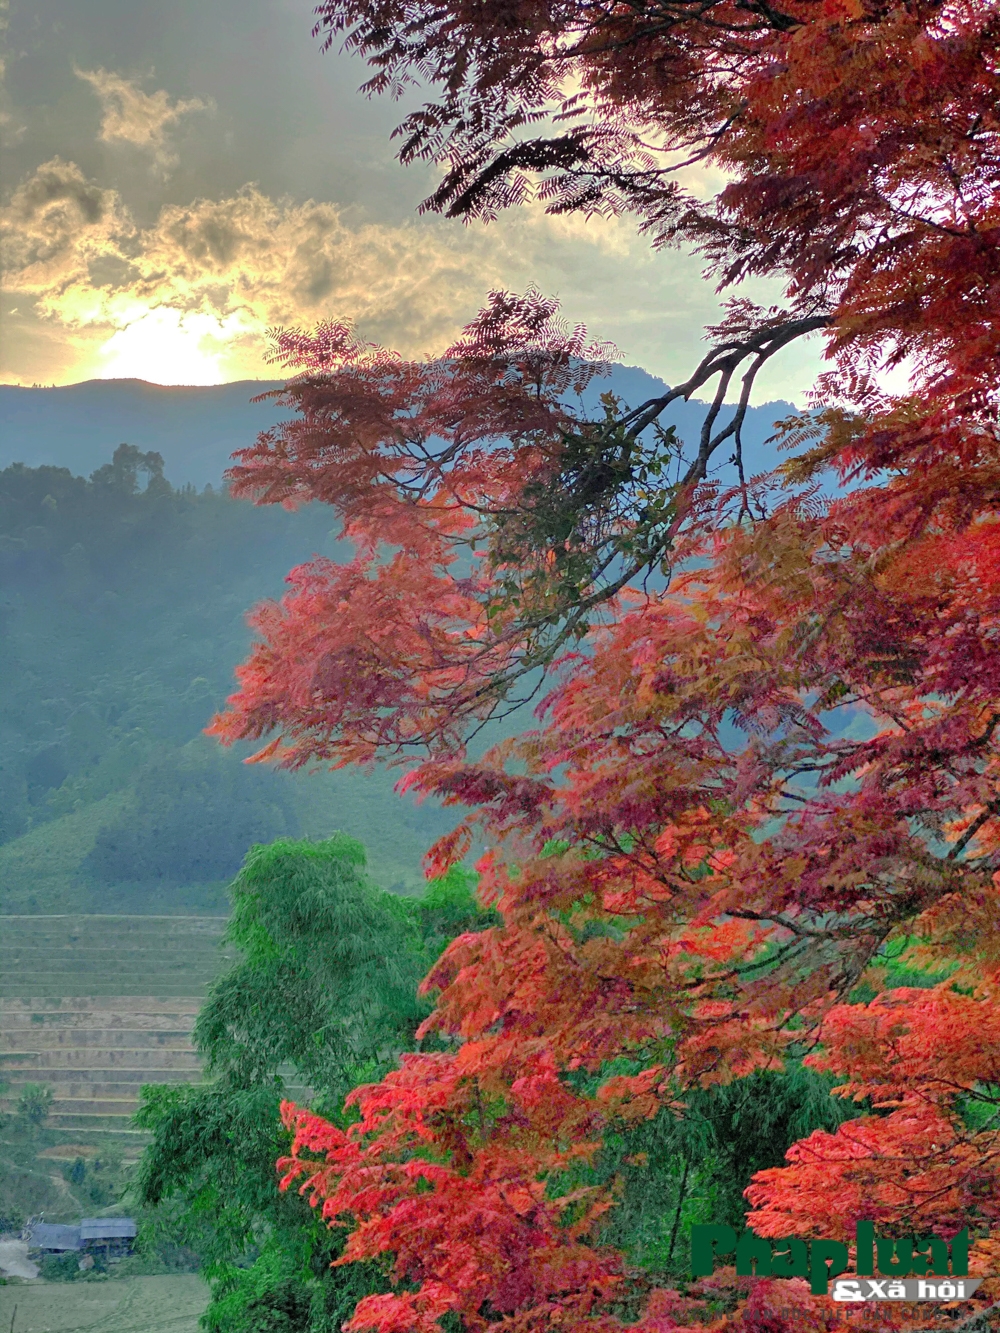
38 871
122 616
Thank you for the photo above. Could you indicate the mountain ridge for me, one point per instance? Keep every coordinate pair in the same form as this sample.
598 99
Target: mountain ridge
196 428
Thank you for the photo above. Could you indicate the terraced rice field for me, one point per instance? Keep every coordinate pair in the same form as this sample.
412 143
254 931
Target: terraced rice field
95 1006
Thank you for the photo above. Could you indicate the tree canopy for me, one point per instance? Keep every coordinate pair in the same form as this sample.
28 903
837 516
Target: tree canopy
322 993
754 793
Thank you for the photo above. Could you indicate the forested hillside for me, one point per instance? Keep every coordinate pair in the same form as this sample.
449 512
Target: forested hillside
123 594
123 604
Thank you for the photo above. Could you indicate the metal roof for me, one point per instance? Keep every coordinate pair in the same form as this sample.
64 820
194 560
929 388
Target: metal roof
108 1228
54 1236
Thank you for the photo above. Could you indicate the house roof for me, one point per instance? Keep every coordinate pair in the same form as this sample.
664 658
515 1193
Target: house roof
108 1228
54 1236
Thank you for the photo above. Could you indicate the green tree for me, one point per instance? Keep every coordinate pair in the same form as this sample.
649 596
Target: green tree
676 1170
34 1103
323 996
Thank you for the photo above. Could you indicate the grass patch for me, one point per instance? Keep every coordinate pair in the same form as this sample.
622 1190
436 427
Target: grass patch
39 870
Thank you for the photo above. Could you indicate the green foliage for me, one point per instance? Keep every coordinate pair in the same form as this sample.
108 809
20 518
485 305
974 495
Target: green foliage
679 1170
449 908
66 1267
323 996
99 1183
328 975
34 1103
893 967
284 1291
209 1171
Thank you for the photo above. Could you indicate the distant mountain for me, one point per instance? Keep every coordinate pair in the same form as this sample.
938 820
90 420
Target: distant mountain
121 619
196 429
79 425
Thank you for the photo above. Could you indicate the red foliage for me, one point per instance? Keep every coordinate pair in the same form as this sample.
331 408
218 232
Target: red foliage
473 1226
751 783
413 456
926 1058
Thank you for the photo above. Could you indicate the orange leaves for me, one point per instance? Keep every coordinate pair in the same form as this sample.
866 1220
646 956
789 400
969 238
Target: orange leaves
469 1230
916 1168
423 464
355 659
743 785
448 851
931 1058
635 1096
930 1045
729 806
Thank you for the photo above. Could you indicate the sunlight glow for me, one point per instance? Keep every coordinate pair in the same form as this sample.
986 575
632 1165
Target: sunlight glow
169 346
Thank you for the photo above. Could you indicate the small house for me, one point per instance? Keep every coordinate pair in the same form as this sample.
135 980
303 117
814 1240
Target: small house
53 1237
112 1236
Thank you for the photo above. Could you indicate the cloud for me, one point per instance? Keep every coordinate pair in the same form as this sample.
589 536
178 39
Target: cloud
74 247
250 262
56 224
142 119
189 298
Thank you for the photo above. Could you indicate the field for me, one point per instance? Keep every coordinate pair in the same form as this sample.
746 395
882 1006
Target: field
132 1305
96 1006
93 1007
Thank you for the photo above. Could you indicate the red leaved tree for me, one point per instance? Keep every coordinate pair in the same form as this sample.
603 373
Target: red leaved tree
745 789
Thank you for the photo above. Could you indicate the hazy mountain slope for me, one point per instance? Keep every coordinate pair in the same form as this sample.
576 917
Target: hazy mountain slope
122 616
122 605
79 425
196 429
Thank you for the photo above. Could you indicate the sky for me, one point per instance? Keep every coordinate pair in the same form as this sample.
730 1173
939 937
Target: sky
178 178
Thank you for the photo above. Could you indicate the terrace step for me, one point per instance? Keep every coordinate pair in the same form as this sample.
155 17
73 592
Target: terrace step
95 1007
113 955
39 980
16 988
53 1004
52 1062
97 1136
123 1088
92 1122
98 922
119 1038
27 1025
38 943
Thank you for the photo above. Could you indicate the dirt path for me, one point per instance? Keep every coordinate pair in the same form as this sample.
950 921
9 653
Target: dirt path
14 1261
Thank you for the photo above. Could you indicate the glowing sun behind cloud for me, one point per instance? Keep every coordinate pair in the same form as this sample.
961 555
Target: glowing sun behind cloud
188 297
168 346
